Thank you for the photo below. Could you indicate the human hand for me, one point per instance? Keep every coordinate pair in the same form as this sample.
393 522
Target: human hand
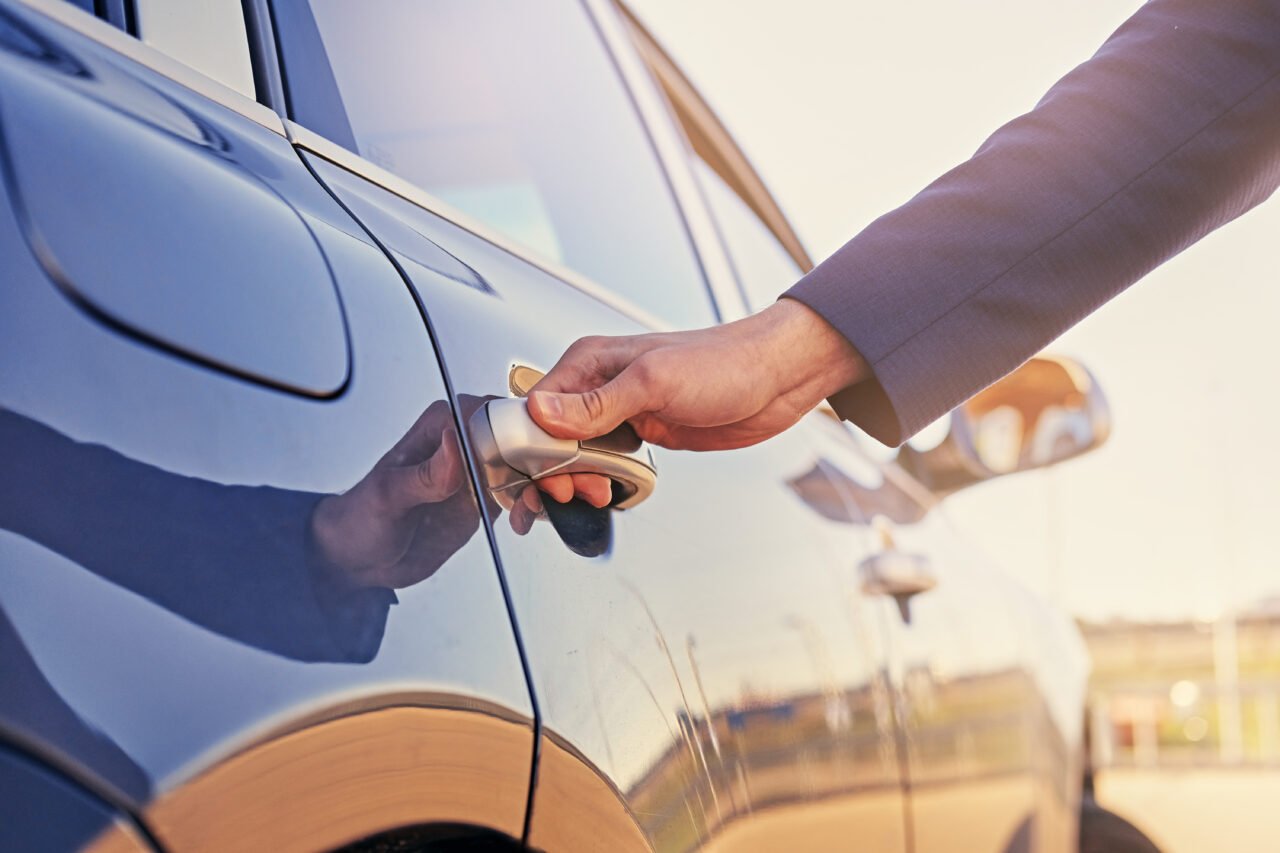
594 489
710 389
529 505
407 516
412 511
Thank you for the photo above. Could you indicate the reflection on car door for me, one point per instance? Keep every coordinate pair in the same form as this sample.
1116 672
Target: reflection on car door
989 746
173 635
713 677
989 720
713 663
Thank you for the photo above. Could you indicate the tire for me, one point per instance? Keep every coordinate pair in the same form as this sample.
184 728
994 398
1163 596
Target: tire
1102 831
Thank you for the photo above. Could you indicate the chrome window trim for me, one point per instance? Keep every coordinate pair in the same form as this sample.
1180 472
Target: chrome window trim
309 140
719 274
75 19
718 149
671 150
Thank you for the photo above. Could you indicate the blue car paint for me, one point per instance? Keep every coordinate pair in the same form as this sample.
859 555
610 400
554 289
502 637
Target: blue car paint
162 607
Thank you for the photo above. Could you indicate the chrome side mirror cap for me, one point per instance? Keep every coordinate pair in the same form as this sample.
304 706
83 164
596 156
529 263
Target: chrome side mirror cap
1047 411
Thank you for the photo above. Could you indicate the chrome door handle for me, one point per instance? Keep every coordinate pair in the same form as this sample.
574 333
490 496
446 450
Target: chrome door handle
515 451
899 575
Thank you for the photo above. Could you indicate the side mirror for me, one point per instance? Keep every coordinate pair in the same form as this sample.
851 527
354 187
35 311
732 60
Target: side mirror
1049 410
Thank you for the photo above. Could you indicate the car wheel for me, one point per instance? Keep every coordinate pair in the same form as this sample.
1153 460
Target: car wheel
1102 831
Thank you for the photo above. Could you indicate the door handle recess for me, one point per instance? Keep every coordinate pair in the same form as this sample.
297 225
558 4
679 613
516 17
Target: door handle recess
898 575
515 451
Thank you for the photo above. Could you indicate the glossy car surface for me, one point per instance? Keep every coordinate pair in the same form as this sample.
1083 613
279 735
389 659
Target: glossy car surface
261 254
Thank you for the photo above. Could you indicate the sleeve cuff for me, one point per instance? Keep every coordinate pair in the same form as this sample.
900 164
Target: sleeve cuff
866 404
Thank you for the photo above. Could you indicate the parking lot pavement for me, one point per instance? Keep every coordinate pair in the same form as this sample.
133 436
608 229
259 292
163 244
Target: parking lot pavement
1198 810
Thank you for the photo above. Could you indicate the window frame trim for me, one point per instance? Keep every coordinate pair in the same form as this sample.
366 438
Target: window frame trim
308 140
713 143
61 13
671 151
260 24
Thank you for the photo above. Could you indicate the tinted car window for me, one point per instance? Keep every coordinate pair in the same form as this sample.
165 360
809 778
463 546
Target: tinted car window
764 267
208 35
510 112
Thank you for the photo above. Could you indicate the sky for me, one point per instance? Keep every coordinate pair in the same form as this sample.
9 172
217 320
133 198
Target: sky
848 109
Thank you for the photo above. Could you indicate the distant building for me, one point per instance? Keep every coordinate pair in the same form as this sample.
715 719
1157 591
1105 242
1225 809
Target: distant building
1191 692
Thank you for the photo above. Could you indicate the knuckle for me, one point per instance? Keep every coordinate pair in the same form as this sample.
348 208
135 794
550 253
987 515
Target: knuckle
652 376
382 493
595 404
586 346
646 370
426 478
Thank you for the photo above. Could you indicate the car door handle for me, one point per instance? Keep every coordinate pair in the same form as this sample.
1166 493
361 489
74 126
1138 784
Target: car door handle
515 451
898 575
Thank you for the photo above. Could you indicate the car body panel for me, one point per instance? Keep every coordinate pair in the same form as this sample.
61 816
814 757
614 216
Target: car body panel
716 676
988 679
615 642
41 811
1002 772
167 621
161 271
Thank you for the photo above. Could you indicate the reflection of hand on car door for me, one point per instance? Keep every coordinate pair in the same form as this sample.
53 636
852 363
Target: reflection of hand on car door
304 575
593 489
300 574
407 516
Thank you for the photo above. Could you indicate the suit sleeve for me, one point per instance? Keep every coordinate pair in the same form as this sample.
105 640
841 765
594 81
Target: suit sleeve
236 560
1169 131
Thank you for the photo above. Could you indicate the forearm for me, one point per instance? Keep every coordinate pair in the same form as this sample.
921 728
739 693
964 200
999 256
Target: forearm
237 560
1170 131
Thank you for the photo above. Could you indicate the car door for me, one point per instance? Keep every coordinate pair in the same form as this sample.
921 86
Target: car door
988 680
987 677
705 671
214 388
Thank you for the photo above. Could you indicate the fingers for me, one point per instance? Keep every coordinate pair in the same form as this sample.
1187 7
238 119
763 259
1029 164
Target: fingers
593 361
596 411
597 384
595 489
559 486
525 511
423 436
435 479
729 437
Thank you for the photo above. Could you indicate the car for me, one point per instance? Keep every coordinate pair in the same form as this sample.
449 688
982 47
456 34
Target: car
276 275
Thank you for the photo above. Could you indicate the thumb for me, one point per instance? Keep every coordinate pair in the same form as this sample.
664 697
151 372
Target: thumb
590 413
430 481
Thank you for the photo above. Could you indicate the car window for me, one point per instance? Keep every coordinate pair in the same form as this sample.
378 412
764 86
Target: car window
512 113
208 35
763 266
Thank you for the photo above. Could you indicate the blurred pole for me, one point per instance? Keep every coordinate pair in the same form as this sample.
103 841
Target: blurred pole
694 738
1102 733
1268 727
1226 651
836 709
689 643
1053 534
1226 673
1146 743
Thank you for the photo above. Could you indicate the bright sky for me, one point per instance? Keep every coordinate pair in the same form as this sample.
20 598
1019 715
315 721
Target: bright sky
848 109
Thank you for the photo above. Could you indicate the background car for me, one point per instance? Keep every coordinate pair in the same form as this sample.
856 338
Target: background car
266 261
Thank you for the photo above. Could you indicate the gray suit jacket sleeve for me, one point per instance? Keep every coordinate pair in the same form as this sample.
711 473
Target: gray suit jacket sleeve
1171 130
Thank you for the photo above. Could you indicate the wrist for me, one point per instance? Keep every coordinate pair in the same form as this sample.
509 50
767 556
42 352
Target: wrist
811 358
